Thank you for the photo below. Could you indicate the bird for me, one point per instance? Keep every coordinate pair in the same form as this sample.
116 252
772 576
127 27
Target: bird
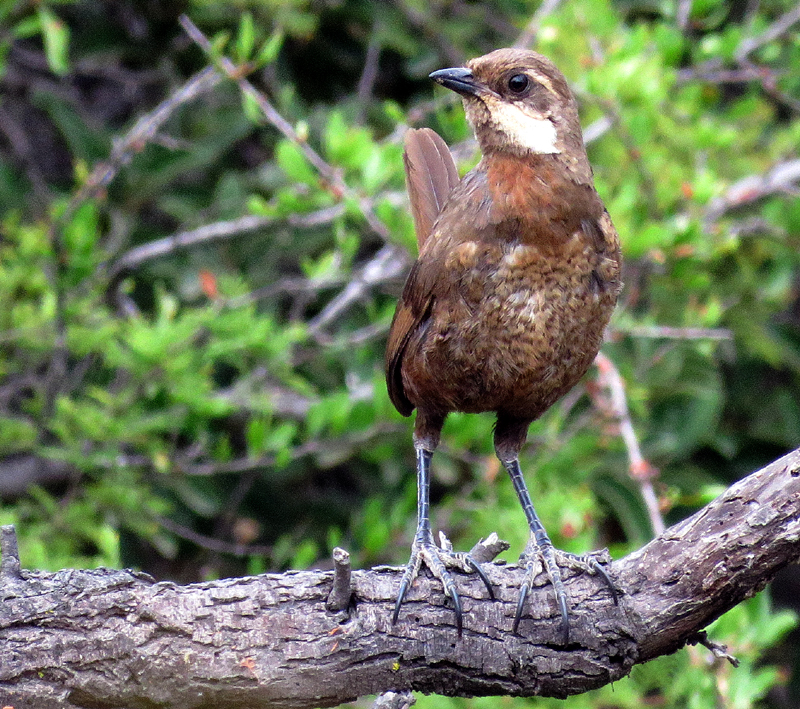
504 310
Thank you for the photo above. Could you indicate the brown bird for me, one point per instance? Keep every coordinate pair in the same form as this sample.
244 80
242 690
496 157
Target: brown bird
517 276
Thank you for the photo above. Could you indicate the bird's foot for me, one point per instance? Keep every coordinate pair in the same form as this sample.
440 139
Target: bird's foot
439 559
540 555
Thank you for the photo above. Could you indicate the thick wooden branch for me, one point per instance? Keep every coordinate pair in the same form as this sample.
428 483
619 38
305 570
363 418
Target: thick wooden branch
108 638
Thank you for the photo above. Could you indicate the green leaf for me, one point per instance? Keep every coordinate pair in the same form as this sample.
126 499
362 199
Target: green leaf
55 35
270 49
251 108
246 38
218 43
28 27
292 161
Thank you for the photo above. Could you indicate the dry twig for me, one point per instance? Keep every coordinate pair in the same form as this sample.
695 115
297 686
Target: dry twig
666 332
781 178
778 28
638 467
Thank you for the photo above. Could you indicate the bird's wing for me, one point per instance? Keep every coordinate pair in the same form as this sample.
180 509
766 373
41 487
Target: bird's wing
430 177
412 308
464 216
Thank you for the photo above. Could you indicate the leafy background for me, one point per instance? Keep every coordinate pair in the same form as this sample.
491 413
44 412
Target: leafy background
195 305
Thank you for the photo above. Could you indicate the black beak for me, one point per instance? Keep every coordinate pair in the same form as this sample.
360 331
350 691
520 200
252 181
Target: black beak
458 79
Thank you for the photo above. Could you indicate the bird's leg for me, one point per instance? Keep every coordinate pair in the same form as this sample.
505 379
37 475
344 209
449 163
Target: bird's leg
539 545
539 552
423 548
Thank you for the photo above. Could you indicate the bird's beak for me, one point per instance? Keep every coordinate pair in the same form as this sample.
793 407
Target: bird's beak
458 79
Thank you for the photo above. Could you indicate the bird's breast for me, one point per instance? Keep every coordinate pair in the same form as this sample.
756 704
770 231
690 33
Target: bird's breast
513 292
516 325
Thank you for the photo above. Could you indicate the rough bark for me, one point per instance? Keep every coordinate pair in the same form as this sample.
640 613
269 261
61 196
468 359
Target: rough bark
107 638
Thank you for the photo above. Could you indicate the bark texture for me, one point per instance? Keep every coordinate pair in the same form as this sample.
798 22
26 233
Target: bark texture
107 638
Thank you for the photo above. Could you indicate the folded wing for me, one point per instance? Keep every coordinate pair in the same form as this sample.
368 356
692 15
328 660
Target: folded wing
430 177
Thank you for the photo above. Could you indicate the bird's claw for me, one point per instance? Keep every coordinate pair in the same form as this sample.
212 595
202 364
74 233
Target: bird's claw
547 558
438 560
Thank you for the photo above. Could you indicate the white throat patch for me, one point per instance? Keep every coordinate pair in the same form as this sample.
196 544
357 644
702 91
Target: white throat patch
536 134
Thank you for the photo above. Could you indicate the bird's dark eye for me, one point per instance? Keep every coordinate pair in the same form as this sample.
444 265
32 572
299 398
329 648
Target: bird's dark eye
518 83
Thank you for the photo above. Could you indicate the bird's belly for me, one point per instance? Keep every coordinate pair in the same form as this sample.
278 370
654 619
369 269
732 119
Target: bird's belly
515 339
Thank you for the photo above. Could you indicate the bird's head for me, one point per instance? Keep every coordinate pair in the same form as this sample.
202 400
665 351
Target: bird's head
517 102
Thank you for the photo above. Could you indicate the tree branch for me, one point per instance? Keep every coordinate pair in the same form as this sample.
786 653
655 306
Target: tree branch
117 638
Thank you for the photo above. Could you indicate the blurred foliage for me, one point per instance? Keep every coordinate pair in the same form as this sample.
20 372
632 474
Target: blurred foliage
200 407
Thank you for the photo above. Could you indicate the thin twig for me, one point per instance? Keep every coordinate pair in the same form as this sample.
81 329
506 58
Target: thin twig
351 339
781 178
388 263
638 467
712 72
312 447
342 590
9 554
769 84
288 286
213 232
717 649
597 128
658 332
185 239
368 75
719 75
143 132
756 226
210 543
683 14
782 25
